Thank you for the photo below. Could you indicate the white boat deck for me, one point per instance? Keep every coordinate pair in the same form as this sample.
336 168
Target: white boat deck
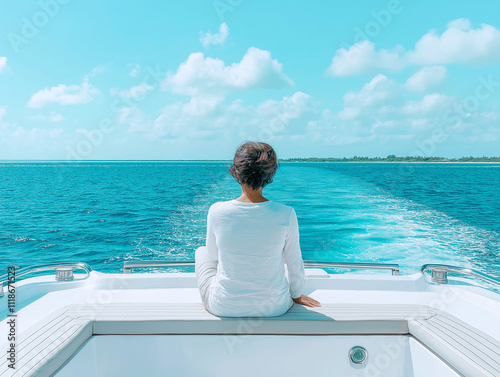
443 318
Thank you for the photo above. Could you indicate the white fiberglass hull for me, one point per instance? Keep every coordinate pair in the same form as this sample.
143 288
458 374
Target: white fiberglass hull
155 324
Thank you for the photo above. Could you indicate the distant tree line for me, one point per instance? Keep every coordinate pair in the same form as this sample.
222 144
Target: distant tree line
394 158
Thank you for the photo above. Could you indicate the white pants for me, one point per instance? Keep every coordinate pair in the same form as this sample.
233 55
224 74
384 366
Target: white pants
206 270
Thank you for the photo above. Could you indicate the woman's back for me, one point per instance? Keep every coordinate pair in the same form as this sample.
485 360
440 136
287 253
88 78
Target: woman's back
241 270
252 241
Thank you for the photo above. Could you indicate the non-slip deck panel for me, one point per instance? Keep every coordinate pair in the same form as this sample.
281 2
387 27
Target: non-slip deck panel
29 338
50 355
470 351
42 348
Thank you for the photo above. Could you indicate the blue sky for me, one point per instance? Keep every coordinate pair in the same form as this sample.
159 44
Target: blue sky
83 80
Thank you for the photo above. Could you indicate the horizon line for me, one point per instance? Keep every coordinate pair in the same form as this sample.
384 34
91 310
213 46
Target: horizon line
390 157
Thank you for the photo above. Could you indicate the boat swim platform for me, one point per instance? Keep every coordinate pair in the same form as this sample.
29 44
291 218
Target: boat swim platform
46 347
59 323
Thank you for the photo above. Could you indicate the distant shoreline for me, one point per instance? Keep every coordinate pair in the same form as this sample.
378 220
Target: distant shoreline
395 159
400 162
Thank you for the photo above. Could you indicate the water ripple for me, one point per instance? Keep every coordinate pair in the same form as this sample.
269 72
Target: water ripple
107 213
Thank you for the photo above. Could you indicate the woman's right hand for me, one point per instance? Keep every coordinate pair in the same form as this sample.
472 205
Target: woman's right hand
306 301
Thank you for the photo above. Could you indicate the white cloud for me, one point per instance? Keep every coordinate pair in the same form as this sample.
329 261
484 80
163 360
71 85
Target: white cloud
135 71
52 117
426 78
379 89
429 103
288 108
200 76
208 38
384 111
96 70
200 118
349 113
330 132
3 63
3 110
210 117
362 58
137 119
35 134
64 95
17 142
188 120
458 44
382 97
200 106
133 92
175 119
13 136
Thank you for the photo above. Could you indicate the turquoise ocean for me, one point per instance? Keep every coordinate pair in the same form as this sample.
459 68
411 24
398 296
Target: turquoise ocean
104 213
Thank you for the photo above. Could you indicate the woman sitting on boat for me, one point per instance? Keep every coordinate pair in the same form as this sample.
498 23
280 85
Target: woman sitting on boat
241 270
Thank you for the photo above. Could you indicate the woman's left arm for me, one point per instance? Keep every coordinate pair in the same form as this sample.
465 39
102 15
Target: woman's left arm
293 257
295 264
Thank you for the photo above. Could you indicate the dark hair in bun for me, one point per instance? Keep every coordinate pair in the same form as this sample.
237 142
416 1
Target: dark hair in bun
254 164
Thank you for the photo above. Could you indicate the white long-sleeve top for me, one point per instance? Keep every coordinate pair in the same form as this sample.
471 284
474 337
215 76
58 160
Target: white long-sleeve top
251 243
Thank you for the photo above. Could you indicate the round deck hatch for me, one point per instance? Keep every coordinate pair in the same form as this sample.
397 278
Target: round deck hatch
358 354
